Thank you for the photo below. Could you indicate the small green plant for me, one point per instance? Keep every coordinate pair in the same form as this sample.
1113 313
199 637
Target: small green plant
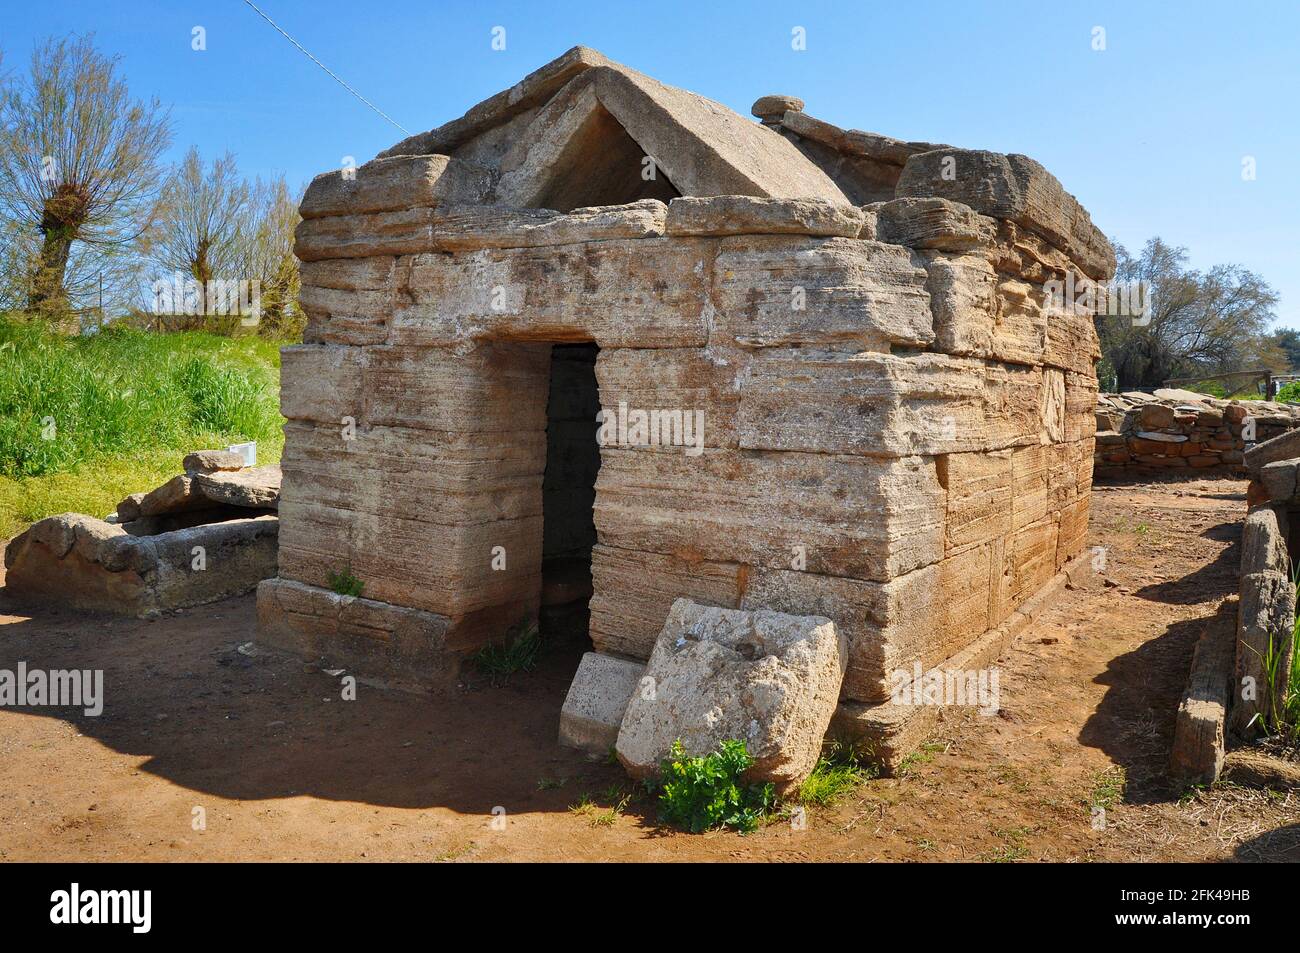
838 771
346 584
607 817
1281 711
707 793
499 661
583 806
550 784
1108 787
1289 393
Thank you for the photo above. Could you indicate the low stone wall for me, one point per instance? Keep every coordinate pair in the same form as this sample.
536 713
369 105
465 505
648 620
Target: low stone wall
207 533
1181 430
1228 688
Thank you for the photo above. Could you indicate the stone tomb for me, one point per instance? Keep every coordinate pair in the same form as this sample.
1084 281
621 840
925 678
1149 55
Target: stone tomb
829 381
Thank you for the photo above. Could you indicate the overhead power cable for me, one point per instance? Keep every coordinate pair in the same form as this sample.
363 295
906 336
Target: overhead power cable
335 76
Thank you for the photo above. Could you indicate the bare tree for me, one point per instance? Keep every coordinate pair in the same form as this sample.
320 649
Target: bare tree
201 224
1200 322
269 256
78 158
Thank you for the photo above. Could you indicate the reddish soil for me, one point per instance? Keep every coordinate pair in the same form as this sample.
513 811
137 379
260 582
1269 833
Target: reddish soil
283 768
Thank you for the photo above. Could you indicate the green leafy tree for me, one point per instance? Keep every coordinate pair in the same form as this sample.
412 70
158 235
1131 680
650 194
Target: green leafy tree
1201 322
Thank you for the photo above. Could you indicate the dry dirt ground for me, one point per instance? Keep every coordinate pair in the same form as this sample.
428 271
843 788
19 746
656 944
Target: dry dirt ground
264 750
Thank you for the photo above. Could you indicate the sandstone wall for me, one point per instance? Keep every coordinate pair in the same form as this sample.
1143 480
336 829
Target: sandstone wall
898 435
1174 430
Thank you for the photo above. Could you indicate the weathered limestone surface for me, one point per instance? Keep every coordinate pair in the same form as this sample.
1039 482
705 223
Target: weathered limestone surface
1016 188
899 424
747 215
933 223
253 487
469 228
850 516
1285 446
634 591
593 709
883 405
1266 613
1198 749
772 291
388 185
394 645
212 461
87 563
767 678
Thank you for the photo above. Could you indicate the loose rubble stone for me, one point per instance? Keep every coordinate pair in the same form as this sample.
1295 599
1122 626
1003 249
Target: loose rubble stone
255 487
593 709
766 678
212 461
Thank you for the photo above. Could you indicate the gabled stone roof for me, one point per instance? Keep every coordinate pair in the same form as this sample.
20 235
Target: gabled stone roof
557 118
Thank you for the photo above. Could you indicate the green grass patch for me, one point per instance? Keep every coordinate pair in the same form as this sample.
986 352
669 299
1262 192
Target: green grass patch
518 654
707 793
86 420
838 772
1108 787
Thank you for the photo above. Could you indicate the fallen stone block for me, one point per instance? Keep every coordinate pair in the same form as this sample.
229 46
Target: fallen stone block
1197 755
1283 447
177 495
765 678
593 708
212 461
255 487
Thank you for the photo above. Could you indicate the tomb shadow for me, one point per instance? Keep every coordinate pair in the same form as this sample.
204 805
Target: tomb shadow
1210 581
206 710
1134 722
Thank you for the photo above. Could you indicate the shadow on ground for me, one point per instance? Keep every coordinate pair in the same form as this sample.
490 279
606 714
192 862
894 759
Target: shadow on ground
1211 581
1278 845
181 694
1134 724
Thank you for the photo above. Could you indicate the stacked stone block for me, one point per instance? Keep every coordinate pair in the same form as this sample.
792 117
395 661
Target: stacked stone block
1180 430
898 434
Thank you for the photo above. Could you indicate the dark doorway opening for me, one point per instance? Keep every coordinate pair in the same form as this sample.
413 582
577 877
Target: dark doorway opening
569 495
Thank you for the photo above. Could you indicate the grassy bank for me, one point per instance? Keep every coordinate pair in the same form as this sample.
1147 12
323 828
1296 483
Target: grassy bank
86 420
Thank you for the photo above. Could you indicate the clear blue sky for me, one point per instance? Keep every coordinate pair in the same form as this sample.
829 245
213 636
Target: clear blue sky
1149 133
